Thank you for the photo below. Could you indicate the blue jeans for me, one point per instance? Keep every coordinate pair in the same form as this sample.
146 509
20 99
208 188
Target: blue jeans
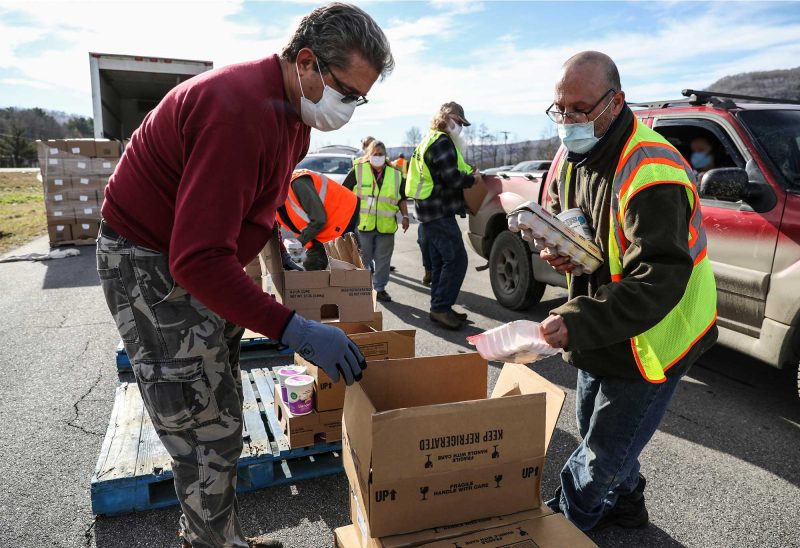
448 261
379 248
422 241
616 419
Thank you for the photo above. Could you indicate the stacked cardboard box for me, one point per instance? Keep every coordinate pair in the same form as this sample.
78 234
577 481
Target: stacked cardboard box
432 462
325 422
74 176
342 293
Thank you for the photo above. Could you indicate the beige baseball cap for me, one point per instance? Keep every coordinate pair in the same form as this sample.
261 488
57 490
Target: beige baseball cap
456 111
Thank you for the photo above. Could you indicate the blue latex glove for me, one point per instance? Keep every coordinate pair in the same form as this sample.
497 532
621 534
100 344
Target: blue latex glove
325 347
288 263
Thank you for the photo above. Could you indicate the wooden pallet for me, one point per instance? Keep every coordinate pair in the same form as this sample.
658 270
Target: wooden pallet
253 347
134 471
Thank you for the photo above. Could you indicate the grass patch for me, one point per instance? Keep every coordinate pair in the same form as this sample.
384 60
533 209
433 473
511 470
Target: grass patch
22 213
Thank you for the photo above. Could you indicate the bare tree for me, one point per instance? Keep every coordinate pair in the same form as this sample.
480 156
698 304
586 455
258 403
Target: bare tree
413 136
548 146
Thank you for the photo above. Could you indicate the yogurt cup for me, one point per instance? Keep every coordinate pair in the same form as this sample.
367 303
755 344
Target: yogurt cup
289 371
300 394
576 220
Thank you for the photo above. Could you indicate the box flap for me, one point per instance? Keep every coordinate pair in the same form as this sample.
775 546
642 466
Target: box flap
517 376
336 264
314 279
413 382
270 258
357 430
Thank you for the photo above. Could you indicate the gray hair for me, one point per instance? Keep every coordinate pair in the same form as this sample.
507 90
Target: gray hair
336 31
601 60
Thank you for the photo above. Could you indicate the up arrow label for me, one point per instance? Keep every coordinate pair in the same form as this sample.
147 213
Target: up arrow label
393 494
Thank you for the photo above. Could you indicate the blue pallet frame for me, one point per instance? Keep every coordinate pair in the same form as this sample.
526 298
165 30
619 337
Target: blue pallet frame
271 462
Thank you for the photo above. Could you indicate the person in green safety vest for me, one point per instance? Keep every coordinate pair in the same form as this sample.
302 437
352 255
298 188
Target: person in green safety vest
634 326
381 194
437 177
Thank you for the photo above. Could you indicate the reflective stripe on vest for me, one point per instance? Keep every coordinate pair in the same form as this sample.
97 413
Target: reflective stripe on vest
420 182
648 160
339 204
378 211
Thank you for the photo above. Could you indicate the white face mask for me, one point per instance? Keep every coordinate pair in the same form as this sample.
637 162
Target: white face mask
454 128
377 161
329 113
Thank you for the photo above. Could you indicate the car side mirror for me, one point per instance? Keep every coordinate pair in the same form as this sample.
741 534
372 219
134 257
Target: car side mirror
732 184
724 183
530 177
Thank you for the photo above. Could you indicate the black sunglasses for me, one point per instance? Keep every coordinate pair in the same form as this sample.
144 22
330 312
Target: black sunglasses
348 98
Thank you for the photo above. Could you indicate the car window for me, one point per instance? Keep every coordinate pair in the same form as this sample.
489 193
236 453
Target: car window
337 165
778 133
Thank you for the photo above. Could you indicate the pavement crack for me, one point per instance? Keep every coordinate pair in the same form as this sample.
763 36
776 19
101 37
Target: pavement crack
89 533
85 395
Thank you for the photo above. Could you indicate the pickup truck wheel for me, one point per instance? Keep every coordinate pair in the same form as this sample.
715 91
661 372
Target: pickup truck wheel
511 273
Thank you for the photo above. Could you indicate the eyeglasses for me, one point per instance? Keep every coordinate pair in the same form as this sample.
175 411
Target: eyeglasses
578 117
349 95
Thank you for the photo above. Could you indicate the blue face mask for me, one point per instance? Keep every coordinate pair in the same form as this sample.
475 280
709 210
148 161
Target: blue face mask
701 160
580 138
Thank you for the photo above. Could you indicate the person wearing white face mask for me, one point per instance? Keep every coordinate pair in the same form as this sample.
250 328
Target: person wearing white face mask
637 324
193 200
437 177
381 194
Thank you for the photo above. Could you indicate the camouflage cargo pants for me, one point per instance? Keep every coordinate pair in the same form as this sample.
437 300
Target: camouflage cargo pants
186 362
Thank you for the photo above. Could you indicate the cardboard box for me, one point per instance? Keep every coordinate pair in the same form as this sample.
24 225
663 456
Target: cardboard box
51 166
80 197
78 166
86 230
474 196
305 430
80 147
48 148
54 184
425 448
253 270
88 182
550 531
59 232
344 292
375 345
61 214
376 323
104 166
87 213
59 198
106 148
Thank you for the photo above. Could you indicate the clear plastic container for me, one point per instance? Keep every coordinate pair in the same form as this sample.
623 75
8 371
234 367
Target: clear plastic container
517 342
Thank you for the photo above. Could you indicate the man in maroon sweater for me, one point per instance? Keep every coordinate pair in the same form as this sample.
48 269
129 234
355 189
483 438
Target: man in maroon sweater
194 199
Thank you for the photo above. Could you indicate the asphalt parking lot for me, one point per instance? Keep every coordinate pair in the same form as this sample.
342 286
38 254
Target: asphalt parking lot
723 469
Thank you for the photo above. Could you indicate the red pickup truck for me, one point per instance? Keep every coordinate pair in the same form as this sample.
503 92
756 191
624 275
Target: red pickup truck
751 212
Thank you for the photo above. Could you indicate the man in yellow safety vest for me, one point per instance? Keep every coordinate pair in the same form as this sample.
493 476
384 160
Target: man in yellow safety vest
636 325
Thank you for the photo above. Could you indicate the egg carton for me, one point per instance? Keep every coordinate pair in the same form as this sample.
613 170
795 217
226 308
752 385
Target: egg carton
539 226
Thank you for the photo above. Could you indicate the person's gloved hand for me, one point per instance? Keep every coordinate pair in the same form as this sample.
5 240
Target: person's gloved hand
325 347
288 262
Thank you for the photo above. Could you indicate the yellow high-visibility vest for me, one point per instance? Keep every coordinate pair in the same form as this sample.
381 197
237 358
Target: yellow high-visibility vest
419 184
647 160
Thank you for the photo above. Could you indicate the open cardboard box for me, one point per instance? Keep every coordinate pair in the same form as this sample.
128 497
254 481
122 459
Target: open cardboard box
344 292
549 531
306 430
375 345
425 448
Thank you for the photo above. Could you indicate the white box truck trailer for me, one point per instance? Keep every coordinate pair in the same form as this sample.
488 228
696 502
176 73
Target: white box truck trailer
126 87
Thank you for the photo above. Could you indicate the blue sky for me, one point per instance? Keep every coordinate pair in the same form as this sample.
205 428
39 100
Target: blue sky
499 59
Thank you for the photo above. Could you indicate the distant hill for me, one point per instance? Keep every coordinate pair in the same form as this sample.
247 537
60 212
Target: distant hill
783 84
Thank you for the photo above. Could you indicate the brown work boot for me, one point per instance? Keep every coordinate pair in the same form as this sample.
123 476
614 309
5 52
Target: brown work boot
460 315
447 319
426 279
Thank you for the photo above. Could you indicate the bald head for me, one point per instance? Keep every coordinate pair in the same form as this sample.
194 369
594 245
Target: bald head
598 64
585 85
